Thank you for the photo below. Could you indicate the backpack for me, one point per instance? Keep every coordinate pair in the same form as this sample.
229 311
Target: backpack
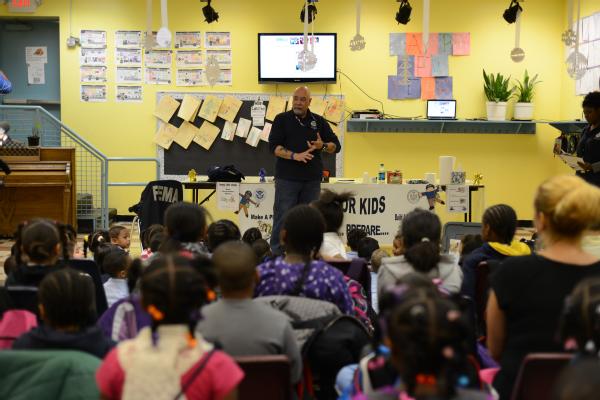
227 173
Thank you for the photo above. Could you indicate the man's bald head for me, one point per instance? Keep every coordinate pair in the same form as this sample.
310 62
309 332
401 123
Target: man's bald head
235 263
301 101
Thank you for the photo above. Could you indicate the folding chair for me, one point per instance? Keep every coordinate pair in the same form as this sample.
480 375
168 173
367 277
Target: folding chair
537 374
266 377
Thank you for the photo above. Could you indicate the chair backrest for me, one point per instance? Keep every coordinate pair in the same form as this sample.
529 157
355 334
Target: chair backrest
482 289
266 377
155 199
537 375
23 298
91 268
456 230
356 269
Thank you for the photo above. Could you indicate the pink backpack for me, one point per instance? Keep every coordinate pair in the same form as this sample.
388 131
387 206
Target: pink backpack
13 324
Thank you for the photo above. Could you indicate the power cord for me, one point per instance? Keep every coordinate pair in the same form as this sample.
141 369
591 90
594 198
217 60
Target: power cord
339 71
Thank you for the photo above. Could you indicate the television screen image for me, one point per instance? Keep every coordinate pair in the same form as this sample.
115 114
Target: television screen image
278 57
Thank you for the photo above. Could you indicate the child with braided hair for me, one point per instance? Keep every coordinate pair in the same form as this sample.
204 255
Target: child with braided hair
166 360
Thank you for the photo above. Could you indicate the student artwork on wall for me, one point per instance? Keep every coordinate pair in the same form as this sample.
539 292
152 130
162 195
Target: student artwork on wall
188 59
93 74
128 57
93 93
128 39
93 39
223 57
190 77
217 40
158 76
188 40
92 56
129 75
129 94
422 70
158 58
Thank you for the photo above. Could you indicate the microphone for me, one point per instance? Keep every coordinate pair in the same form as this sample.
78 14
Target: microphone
5 126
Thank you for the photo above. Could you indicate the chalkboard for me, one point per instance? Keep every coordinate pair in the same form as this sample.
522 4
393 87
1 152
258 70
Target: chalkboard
177 161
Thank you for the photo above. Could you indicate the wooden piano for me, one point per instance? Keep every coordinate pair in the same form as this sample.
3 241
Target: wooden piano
41 185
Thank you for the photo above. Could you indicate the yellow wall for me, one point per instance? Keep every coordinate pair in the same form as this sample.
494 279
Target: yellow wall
512 165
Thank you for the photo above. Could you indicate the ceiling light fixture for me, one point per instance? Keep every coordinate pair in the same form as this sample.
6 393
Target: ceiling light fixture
312 11
210 15
510 14
403 14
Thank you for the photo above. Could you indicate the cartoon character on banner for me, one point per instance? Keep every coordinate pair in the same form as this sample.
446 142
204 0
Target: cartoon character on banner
245 202
433 196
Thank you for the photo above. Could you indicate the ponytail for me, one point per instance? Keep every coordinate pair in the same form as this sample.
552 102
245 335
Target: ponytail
423 256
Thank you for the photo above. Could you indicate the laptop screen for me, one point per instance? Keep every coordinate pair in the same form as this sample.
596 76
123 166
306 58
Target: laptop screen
440 109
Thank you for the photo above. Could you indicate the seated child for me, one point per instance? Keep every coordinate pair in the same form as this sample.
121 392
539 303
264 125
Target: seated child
115 263
222 231
251 235
94 240
354 236
120 236
67 307
262 249
165 360
266 331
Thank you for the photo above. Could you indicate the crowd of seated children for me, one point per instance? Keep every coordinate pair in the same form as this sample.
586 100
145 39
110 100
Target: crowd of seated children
527 292
168 360
67 308
421 235
265 330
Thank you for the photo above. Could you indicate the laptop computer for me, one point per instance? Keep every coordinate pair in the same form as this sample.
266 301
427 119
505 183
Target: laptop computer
441 109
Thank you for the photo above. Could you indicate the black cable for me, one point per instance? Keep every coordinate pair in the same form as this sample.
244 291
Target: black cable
359 88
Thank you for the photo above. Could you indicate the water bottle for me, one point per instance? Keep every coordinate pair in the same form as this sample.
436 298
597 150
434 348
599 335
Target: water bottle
381 174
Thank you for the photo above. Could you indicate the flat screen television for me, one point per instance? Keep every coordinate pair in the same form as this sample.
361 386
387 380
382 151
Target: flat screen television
278 57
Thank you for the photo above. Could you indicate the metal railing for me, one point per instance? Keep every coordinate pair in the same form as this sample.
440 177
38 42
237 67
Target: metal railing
91 169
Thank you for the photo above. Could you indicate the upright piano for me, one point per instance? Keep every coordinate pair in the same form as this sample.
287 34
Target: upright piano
41 185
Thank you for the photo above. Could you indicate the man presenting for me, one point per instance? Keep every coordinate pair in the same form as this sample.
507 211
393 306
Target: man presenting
298 137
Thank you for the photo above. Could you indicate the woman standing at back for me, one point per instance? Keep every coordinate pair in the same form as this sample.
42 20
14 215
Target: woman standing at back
527 293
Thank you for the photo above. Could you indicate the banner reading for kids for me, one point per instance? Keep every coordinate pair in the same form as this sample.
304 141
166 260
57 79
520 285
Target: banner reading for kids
377 209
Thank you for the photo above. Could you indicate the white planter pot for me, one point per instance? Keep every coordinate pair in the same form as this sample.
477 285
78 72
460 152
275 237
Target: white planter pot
496 111
523 112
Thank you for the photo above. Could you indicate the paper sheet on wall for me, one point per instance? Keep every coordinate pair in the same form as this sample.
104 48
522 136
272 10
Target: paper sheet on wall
443 88
206 135
253 137
399 89
397 44
90 56
36 54
128 57
432 45
165 135
129 94
166 108
223 57
276 106
422 66
243 127
414 44
158 76
188 40
229 108
427 88
444 44
129 75
185 134
266 131
188 58
318 105
258 112
36 74
93 74
461 44
189 108
210 108
457 199
406 67
228 194
228 130
131 39
159 58
190 77
225 77
93 93
334 110
92 38
439 65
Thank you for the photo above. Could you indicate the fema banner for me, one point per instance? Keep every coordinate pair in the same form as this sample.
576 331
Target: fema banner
377 209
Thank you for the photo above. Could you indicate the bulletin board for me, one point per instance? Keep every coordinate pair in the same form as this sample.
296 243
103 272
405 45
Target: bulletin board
176 162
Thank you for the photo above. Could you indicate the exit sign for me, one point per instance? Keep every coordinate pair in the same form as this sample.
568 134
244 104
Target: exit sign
23 6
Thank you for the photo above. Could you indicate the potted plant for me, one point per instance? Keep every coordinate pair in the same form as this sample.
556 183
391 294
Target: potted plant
34 139
523 92
497 92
